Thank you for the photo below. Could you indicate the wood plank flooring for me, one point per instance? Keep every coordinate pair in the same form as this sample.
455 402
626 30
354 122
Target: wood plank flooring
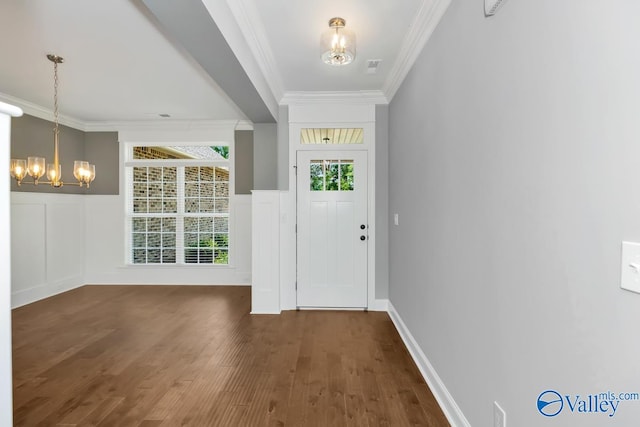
193 356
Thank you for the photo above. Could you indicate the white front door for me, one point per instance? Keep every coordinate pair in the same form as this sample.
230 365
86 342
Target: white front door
332 235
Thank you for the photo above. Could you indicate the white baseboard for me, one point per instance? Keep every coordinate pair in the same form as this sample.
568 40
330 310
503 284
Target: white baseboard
27 296
451 410
379 305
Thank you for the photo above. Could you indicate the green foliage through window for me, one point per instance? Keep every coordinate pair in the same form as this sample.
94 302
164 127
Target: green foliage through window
331 175
223 150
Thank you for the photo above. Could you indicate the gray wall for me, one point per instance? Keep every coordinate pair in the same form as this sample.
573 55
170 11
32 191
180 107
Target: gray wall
514 147
382 201
32 136
265 156
244 161
102 148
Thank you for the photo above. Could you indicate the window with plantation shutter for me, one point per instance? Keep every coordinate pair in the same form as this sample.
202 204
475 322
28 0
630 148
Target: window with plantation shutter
178 205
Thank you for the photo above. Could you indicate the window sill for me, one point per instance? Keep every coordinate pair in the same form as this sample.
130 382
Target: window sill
179 266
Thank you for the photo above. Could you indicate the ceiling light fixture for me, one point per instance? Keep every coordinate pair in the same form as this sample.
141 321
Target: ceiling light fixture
84 172
338 45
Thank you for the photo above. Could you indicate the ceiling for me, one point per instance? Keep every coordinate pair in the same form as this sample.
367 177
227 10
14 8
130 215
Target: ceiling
195 60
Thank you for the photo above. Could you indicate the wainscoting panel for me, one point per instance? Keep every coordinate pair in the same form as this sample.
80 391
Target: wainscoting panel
47 245
265 285
65 241
28 246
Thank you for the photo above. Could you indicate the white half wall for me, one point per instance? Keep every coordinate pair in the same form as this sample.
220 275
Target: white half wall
105 250
63 241
6 389
265 288
47 245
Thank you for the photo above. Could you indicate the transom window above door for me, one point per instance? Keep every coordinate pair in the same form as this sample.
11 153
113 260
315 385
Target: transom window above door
331 136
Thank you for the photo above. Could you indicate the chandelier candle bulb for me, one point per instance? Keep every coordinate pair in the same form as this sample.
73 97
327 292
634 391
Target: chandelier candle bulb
18 169
54 174
35 167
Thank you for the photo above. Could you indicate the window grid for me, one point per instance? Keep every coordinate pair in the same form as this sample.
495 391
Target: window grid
331 175
179 215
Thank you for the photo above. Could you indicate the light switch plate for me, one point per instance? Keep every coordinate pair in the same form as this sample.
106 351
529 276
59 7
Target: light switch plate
630 267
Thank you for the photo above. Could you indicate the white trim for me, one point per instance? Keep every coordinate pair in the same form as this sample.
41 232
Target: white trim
10 110
250 24
6 388
427 19
166 124
46 290
41 112
222 132
124 125
379 305
265 312
327 97
222 14
315 115
265 251
450 408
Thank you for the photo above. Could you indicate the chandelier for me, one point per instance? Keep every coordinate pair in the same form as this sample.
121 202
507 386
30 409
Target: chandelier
338 45
84 172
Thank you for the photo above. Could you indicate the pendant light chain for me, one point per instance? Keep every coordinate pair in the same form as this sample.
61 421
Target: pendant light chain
55 96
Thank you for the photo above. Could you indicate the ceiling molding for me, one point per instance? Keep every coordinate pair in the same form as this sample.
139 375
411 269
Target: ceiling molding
41 112
427 19
318 97
250 24
114 126
168 125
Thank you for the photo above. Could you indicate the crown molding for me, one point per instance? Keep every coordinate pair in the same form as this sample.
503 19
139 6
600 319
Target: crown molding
427 19
115 126
167 125
350 97
248 19
41 112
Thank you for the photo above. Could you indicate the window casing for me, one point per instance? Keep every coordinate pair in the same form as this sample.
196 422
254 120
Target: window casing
178 206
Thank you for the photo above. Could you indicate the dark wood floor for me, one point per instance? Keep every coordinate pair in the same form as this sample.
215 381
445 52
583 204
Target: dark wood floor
192 355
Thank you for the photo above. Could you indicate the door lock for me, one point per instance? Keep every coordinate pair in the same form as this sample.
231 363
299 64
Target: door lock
362 227
363 238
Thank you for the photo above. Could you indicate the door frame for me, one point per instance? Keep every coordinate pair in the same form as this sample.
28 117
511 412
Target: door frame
289 202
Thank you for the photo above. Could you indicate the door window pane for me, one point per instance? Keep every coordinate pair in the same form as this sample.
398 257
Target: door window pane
331 175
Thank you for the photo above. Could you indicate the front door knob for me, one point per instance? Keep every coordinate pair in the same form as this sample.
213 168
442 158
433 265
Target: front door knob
362 227
363 238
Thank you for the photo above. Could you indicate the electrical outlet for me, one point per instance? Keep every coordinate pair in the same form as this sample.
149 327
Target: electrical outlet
499 416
